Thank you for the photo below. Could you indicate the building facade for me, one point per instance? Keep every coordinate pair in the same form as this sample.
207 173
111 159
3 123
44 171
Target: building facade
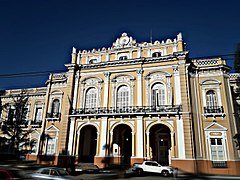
137 101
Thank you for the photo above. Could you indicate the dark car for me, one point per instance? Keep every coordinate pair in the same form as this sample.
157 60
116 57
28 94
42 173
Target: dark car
51 173
12 173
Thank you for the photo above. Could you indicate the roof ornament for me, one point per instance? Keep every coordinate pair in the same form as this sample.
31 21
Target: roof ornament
179 36
124 41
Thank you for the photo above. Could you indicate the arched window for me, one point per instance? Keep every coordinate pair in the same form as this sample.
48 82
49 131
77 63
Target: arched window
158 94
123 57
156 54
122 97
91 98
211 99
91 61
55 106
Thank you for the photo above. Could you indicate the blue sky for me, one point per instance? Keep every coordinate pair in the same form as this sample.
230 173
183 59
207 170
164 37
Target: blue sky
38 35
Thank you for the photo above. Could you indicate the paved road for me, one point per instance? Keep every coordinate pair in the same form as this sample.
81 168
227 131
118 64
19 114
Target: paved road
119 176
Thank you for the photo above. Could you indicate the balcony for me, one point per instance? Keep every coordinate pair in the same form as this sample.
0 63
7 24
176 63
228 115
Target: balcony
36 124
213 111
53 116
129 110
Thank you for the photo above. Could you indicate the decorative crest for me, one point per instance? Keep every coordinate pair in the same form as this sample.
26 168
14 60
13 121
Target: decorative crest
124 41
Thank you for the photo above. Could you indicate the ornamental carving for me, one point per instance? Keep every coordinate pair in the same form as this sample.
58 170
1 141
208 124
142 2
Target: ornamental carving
91 82
124 41
123 79
157 77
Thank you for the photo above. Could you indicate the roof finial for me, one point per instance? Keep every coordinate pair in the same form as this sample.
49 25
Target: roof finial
74 50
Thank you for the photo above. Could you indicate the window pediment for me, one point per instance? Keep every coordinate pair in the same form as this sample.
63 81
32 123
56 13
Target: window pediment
52 128
57 92
215 127
210 82
123 78
91 80
158 74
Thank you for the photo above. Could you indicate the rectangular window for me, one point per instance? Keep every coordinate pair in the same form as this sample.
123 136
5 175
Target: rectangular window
51 144
217 151
38 114
11 114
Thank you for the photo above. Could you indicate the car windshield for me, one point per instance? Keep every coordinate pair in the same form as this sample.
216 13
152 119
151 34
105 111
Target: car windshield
62 172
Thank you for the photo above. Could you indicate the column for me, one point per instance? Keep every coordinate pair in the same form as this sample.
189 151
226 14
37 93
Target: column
82 95
133 144
139 87
148 145
77 145
165 51
173 145
132 92
139 137
169 98
111 143
130 55
71 136
98 139
177 85
73 119
219 97
180 138
107 57
103 137
149 53
106 89
204 97
139 52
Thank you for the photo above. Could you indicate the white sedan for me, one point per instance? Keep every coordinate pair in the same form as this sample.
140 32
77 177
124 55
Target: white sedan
51 173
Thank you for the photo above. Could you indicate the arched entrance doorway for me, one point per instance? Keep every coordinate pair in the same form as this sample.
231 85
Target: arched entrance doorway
87 144
160 143
122 143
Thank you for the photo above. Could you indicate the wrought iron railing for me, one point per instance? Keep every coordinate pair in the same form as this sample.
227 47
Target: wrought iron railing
130 110
213 109
36 123
219 164
54 115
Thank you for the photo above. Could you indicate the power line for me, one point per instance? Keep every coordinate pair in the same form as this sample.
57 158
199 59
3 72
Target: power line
214 56
35 73
44 73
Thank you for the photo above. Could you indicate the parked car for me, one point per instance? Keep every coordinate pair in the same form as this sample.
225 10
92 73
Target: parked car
51 173
7 173
152 167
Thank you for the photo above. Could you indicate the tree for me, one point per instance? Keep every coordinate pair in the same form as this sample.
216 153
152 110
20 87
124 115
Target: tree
237 59
237 140
14 124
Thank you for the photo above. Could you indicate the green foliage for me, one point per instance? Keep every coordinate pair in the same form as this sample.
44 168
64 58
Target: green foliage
14 126
237 140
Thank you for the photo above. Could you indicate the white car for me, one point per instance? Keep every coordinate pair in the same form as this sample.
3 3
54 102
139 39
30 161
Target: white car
153 167
51 173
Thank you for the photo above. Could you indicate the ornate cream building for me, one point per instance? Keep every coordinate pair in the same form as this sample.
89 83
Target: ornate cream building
137 101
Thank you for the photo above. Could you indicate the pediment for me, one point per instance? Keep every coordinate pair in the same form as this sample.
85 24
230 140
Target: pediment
92 80
34 134
52 128
210 82
215 126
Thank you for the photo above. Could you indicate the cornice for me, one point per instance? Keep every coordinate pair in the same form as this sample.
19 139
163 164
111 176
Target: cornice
173 57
